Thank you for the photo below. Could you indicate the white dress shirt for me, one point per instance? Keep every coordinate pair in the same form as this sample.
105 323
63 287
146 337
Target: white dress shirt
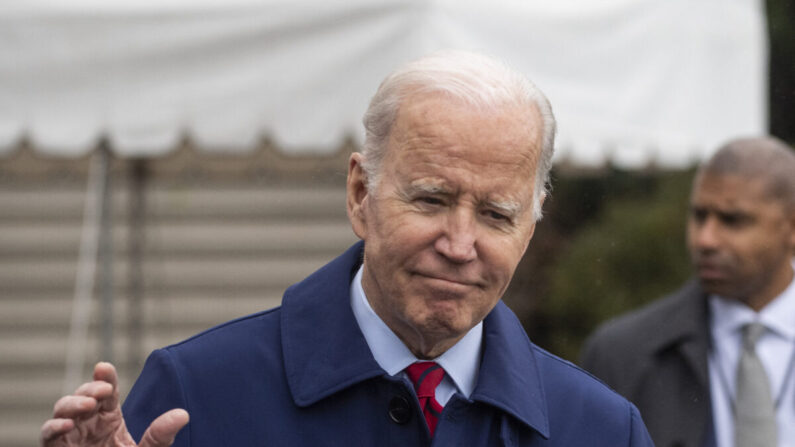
461 362
776 350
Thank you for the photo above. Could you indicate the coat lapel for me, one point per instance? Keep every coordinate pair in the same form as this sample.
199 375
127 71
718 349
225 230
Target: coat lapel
324 349
509 378
686 329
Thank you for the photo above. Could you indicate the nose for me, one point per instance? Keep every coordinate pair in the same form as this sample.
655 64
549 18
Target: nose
704 234
457 241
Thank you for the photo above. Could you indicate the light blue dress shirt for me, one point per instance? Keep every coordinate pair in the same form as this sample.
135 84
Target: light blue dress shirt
460 362
776 350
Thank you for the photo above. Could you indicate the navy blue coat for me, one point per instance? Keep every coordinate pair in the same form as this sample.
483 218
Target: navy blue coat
303 375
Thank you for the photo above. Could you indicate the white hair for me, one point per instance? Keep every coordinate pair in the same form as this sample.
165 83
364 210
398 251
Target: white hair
476 79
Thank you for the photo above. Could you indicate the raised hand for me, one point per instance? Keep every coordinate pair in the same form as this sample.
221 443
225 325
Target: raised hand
92 417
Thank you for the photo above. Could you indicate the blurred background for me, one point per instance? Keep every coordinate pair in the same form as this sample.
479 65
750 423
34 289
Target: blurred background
167 166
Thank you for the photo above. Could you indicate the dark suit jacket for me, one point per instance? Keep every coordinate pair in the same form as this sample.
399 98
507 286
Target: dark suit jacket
657 358
303 375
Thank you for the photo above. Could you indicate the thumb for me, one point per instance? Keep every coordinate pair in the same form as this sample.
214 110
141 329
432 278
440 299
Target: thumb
164 429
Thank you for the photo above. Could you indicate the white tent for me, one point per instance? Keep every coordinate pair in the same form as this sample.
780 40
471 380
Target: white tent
633 81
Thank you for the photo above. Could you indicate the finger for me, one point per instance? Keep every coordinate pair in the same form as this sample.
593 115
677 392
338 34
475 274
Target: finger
164 429
73 407
54 428
97 389
106 372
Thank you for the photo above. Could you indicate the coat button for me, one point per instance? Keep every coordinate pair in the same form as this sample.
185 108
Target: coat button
399 410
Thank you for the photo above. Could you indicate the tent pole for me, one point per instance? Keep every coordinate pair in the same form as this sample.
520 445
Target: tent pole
85 273
138 176
106 254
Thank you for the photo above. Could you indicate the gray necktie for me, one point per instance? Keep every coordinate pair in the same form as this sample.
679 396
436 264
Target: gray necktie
755 423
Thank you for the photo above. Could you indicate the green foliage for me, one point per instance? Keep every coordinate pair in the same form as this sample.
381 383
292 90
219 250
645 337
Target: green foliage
633 251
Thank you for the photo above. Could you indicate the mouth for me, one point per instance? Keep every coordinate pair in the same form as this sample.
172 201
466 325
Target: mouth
708 271
448 282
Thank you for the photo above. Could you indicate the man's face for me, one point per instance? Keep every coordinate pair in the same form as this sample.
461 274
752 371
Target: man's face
450 219
740 239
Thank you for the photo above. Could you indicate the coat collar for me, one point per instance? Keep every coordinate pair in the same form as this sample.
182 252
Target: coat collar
325 351
683 325
509 376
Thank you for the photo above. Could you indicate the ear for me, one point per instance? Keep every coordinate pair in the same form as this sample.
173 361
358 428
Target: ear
356 195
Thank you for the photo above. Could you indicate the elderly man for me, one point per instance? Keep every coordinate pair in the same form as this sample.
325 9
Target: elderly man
402 340
712 364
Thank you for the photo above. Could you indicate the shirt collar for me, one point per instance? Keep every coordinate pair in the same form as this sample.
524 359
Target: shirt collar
460 362
728 315
780 313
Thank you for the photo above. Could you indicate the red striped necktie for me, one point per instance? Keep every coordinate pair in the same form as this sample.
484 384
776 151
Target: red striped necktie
426 377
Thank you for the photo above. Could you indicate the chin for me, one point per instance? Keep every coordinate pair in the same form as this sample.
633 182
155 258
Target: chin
719 288
443 325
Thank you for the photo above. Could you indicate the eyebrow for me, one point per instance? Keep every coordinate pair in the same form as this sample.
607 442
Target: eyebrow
427 188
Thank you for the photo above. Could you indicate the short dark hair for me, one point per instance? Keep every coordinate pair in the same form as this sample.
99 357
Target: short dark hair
765 158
